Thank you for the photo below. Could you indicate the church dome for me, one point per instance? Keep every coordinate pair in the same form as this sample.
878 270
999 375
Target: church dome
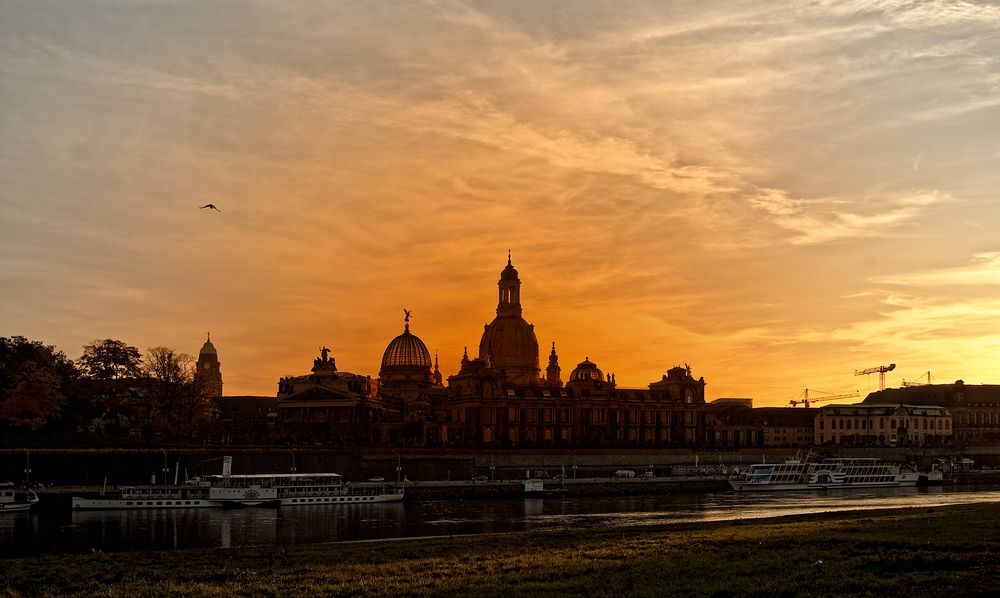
406 350
509 343
586 371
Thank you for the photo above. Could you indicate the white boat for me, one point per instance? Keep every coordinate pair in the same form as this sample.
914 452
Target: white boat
244 490
808 474
292 489
13 499
192 495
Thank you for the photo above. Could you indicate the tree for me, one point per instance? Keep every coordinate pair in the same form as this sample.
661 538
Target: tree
110 359
35 381
176 405
32 398
166 372
111 369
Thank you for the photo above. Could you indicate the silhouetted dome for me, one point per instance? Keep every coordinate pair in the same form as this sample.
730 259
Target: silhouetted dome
406 350
586 371
510 343
509 272
208 348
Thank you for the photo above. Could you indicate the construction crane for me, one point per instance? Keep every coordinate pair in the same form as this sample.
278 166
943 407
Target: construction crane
805 400
919 381
881 370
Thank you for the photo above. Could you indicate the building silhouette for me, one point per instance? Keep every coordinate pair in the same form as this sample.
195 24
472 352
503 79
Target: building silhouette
497 398
500 398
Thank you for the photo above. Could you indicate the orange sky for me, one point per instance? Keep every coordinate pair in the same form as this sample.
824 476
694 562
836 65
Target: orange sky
777 195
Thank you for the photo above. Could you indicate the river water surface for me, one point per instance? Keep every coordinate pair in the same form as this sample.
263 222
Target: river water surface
60 530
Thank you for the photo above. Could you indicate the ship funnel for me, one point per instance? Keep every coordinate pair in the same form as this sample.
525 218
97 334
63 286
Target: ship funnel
227 465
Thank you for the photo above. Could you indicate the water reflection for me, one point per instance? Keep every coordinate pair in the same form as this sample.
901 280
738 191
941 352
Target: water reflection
60 530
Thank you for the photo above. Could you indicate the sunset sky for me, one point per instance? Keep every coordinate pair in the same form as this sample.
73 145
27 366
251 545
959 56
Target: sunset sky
776 193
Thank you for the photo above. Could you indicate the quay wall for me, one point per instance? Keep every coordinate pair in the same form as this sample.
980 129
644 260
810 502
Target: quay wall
71 466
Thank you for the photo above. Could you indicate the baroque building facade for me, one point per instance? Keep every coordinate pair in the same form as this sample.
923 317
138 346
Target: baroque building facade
974 408
498 398
872 424
332 407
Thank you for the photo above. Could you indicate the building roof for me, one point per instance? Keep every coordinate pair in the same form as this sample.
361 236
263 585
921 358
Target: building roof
208 348
586 371
406 350
949 395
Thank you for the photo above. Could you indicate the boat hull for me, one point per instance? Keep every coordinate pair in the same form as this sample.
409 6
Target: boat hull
340 499
13 500
98 504
744 486
17 507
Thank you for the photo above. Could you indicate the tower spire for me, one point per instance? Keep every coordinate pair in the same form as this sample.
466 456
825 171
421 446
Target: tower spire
552 372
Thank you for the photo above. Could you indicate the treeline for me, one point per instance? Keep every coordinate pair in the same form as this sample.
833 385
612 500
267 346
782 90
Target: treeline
111 393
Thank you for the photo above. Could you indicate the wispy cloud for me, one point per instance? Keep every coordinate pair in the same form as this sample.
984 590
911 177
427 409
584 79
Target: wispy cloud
677 177
983 269
827 220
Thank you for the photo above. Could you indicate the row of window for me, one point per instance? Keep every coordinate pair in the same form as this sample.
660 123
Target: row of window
980 418
329 499
162 503
663 417
850 423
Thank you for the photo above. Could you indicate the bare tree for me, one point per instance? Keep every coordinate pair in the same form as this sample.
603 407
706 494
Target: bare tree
167 372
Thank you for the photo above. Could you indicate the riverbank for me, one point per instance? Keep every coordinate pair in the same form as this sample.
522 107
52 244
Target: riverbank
911 552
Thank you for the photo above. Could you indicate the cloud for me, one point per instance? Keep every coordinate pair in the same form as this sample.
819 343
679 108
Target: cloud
982 270
673 177
820 221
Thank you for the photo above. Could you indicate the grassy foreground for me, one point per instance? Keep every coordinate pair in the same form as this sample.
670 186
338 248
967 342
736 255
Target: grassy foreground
908 552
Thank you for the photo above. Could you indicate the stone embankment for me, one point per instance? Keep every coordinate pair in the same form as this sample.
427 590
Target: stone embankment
578 487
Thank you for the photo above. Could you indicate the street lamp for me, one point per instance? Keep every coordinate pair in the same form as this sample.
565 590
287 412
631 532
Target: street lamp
491 467
399 466
27 467
292 453
166 467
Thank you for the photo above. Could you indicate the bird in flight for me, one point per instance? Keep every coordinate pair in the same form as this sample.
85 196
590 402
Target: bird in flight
210 206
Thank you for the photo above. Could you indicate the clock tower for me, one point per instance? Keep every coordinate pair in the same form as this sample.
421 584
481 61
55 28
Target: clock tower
208 370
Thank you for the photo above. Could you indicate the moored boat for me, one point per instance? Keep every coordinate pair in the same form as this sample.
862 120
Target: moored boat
245 490
192 495
13 499
291 489
808 474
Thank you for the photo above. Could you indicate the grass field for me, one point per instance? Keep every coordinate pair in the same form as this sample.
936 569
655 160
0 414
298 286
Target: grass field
907 552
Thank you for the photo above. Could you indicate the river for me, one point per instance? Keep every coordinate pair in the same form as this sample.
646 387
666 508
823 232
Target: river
60 530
